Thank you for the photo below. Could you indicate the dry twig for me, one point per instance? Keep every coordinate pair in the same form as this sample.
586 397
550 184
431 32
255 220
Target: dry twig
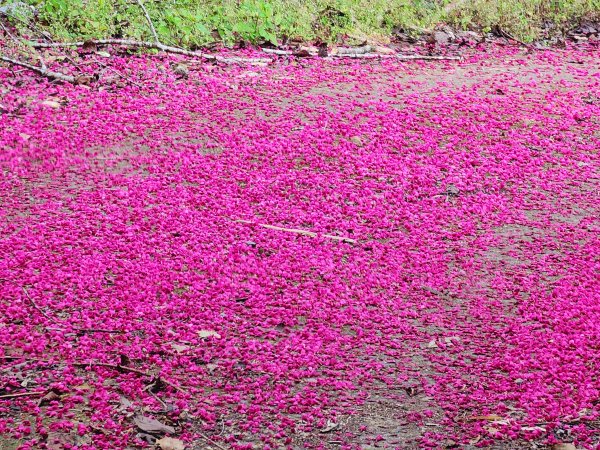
41 70
156 46
299 231
150 24
21 394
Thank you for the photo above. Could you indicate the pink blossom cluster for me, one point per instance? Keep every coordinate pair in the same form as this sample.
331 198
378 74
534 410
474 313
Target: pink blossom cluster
132 233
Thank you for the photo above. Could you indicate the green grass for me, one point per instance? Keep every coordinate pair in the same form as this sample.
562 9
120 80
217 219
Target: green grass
196 23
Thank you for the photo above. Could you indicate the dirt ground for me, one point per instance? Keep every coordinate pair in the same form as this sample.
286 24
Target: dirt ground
470 192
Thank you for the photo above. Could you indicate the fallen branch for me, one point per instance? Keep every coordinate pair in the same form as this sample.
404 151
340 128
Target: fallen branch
399 57
299 231
98 330
509 36
150 24
275 51
118 367
123 368
40 70
22 394
155 46
361 54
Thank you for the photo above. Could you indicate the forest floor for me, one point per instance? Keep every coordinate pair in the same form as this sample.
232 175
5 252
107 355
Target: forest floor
305 254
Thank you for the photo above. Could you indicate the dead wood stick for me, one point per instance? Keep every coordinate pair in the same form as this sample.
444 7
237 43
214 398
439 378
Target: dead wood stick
399 57
298 231
427 58
98 330
20 43
509 36
21 394
112 366
128 369
275 51
347 53
99 364
156 46
150 24
40 70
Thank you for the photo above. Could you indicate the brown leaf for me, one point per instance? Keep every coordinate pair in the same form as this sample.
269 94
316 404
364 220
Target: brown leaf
125 403
181 69
475 440
356 140
168 443
323 51
180 347
49 397
51 104
150 425
331 426
83 79
384 50
89 46
564 446
203 334
493 431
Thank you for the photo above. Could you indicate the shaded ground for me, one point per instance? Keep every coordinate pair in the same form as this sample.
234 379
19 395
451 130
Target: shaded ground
464 314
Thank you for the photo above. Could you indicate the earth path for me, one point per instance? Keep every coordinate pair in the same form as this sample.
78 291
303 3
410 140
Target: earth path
466 312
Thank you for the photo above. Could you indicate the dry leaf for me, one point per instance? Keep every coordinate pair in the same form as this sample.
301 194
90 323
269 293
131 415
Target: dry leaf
384 50
564 446
125 403
24 136
51 104
329 427
180 347
493 431
356 140
168 443
150 425
49 397
208 333
475 440
432 344
103 54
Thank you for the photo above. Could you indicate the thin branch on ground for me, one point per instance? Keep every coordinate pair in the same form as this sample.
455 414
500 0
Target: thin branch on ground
21 394
156 46
123 368
299 231
399 57
20 43
98 330
278 52
40 70
34 304
118 367
149 20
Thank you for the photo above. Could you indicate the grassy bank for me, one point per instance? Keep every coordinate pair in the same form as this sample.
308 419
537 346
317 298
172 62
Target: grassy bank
194 23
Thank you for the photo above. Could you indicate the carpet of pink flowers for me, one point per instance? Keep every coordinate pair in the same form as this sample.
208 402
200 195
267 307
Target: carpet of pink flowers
469 285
